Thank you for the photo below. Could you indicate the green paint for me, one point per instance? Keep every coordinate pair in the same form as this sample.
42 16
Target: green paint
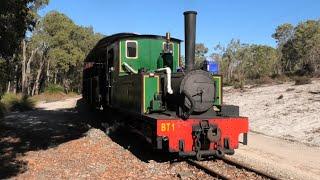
149 55
218 91
150 90
156 105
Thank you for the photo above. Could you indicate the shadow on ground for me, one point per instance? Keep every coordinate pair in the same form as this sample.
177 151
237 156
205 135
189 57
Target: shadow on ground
124 136
139 147
21 132
40 129
127 138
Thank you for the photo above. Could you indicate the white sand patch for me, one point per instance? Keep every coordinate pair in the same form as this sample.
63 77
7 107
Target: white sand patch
295 116
58 105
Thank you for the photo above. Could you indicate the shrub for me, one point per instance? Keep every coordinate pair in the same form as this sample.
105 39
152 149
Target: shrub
238 85
280 78
72 94
264 80
15 102
317 74
54 88
9 100
300 80
25 104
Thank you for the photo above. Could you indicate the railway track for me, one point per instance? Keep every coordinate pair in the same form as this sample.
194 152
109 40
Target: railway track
220 174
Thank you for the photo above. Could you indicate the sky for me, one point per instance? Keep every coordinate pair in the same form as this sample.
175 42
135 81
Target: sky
251 21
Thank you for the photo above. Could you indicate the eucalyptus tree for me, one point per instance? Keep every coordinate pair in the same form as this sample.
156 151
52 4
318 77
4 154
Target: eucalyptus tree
16 19
240 62
200 51
61 47
299 46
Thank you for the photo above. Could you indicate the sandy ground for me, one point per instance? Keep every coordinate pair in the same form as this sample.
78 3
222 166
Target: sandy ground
285 128
286 111
285 159
58 105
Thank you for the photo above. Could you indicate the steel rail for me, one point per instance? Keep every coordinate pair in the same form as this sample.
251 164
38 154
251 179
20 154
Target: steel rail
207 170
237 164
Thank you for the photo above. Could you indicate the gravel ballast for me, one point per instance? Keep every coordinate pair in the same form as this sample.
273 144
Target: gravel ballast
96 156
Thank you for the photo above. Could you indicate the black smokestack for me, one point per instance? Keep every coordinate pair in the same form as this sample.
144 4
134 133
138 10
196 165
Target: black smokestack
190 38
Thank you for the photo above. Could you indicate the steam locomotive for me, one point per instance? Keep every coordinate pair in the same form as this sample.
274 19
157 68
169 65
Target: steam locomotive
177 110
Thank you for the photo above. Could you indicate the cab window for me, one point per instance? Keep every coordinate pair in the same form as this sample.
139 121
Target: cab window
131 49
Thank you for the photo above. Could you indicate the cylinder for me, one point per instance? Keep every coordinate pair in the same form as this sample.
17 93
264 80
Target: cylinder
190 38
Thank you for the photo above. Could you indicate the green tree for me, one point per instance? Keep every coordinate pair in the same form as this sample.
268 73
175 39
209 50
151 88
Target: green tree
16 17
200 51
240 62
283 33
299 46
66 46
305 41
258 61
229 60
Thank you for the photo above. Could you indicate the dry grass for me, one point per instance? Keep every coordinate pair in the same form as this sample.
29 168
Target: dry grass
316 74
280 79
238 85
301 80
264 80
16 102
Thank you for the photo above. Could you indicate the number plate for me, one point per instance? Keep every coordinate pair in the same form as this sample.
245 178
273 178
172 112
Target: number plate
166 127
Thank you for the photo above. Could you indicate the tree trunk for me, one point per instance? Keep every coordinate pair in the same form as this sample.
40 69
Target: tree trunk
28 70
35 90
48 72
55 77
23 67
9 87
16 80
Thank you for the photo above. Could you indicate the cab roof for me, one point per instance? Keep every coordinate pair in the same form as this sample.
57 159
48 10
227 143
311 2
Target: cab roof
106 41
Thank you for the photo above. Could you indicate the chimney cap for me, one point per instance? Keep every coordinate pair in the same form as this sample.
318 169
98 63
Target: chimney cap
190 12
